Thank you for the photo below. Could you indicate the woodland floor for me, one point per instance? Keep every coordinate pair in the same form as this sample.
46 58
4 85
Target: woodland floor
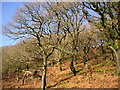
103 76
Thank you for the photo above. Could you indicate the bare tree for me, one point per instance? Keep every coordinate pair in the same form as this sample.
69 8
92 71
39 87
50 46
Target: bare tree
68 16
33 21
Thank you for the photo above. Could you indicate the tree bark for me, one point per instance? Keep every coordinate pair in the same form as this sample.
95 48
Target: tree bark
18 72
60 68
72 67
117 58
119 16
43 86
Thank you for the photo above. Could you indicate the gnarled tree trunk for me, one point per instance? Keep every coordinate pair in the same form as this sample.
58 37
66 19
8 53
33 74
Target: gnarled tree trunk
43 86
59 63
117 58
72 66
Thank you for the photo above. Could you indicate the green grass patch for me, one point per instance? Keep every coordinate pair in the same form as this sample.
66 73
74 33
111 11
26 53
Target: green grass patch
71 74
111 63
80 71
51 84
99 69
116 73
63 85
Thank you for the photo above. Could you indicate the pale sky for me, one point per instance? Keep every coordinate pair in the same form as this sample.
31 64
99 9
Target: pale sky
8 11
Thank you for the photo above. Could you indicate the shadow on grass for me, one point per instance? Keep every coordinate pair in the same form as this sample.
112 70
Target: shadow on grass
77 72
59 82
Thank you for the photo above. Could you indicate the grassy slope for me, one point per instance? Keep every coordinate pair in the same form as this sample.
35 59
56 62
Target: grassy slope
103 76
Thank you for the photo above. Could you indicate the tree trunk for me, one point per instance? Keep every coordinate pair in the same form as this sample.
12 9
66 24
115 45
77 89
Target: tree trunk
113 57
85 60
117 58
102 48
118 53
43 86
8 73
76 59
23 80
27 67
18 71
119 16
59 62
72 67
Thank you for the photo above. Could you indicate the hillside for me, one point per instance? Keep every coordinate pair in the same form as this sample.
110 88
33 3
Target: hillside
63 45
103 76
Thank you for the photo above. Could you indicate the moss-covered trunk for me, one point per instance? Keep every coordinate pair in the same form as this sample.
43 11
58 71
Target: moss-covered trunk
72 66
116 52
